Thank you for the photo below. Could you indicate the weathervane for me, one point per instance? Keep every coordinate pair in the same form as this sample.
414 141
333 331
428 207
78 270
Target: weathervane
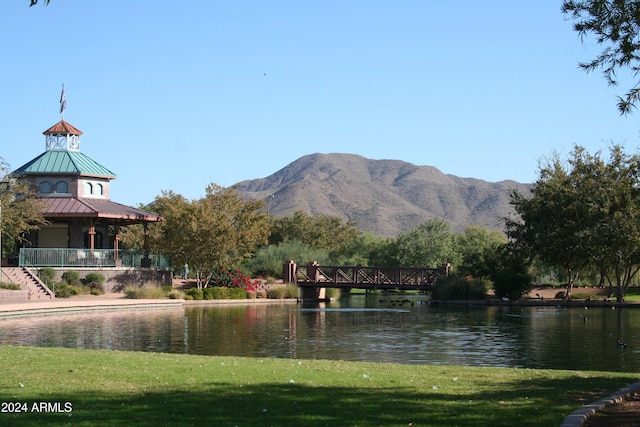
63 102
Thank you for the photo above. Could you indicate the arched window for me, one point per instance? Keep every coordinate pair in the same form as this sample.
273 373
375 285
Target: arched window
99 189
88 188
46 187
62 187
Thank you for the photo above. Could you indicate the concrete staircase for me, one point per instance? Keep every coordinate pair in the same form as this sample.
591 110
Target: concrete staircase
28 281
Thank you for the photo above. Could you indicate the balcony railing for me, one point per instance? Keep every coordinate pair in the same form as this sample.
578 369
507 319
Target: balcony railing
62 257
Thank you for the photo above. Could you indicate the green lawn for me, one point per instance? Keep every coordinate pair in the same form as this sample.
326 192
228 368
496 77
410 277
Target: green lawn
633 295
155 389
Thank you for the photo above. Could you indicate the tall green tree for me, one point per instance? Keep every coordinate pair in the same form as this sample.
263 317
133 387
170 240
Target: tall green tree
612 193
20 210
430 245
218 231
549 222
615 26
320 231
479 248
582 215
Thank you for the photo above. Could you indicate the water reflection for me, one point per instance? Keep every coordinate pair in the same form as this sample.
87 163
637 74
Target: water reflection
360 329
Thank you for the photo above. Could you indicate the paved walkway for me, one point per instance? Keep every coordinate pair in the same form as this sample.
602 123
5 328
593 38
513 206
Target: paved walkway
111 302
81 303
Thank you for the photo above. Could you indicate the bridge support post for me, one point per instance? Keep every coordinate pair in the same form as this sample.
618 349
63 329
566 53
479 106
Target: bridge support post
289 272
313 293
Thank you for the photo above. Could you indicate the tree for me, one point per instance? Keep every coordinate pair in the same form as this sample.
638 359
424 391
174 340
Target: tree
320 231
431 244
216 232
582 216
479 248
20 210
269 260
548 225
616 26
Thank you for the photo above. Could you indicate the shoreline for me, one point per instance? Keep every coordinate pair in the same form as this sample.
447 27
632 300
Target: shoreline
110 302
86 303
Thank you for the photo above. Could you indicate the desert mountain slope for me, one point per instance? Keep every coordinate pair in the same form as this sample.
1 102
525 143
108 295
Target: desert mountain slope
384 197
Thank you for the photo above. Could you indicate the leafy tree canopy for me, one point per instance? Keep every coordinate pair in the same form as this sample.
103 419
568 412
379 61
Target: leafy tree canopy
19 208
215 232
320 231
430 245
615 24
479 248
582 214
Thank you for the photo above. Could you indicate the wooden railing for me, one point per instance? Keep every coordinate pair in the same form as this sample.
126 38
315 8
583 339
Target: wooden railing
402 278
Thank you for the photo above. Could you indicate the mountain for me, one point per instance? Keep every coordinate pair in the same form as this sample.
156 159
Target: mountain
383 197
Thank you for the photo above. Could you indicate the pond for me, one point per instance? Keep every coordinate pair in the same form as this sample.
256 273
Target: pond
377 329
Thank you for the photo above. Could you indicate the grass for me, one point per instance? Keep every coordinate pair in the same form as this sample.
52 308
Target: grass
146 291
148 389
633 295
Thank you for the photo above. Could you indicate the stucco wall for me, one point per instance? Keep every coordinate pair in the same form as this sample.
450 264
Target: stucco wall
7 295
116 279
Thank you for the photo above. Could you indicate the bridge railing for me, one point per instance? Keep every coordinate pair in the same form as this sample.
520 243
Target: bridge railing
367 277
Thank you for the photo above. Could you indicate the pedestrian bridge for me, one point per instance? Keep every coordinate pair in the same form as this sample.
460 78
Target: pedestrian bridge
313 277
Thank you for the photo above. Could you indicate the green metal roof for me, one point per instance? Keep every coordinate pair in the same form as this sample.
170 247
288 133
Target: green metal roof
63 162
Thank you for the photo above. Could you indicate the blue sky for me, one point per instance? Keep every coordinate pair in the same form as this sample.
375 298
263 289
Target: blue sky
176 95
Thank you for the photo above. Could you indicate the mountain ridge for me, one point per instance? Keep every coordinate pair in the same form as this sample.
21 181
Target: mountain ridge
383 197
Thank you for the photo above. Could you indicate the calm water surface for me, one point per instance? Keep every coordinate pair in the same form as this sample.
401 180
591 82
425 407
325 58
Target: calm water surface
359 328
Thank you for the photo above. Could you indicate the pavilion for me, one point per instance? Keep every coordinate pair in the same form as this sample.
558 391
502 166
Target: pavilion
83 222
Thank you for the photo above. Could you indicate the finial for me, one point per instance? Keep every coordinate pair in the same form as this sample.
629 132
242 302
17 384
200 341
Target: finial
63 102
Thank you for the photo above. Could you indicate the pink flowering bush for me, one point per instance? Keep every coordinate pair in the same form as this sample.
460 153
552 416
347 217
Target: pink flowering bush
234 279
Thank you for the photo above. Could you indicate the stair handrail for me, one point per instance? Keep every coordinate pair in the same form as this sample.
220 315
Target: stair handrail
40 283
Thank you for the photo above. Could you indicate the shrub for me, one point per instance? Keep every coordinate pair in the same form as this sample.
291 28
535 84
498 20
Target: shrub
65 290
146 291
281 292
261 293
237 293
233 279
94 277
251 295
96 290
193 294
454 287
47 275
291 291
71 277
10 286
176 294
94 283
216 292
276 292
512 284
